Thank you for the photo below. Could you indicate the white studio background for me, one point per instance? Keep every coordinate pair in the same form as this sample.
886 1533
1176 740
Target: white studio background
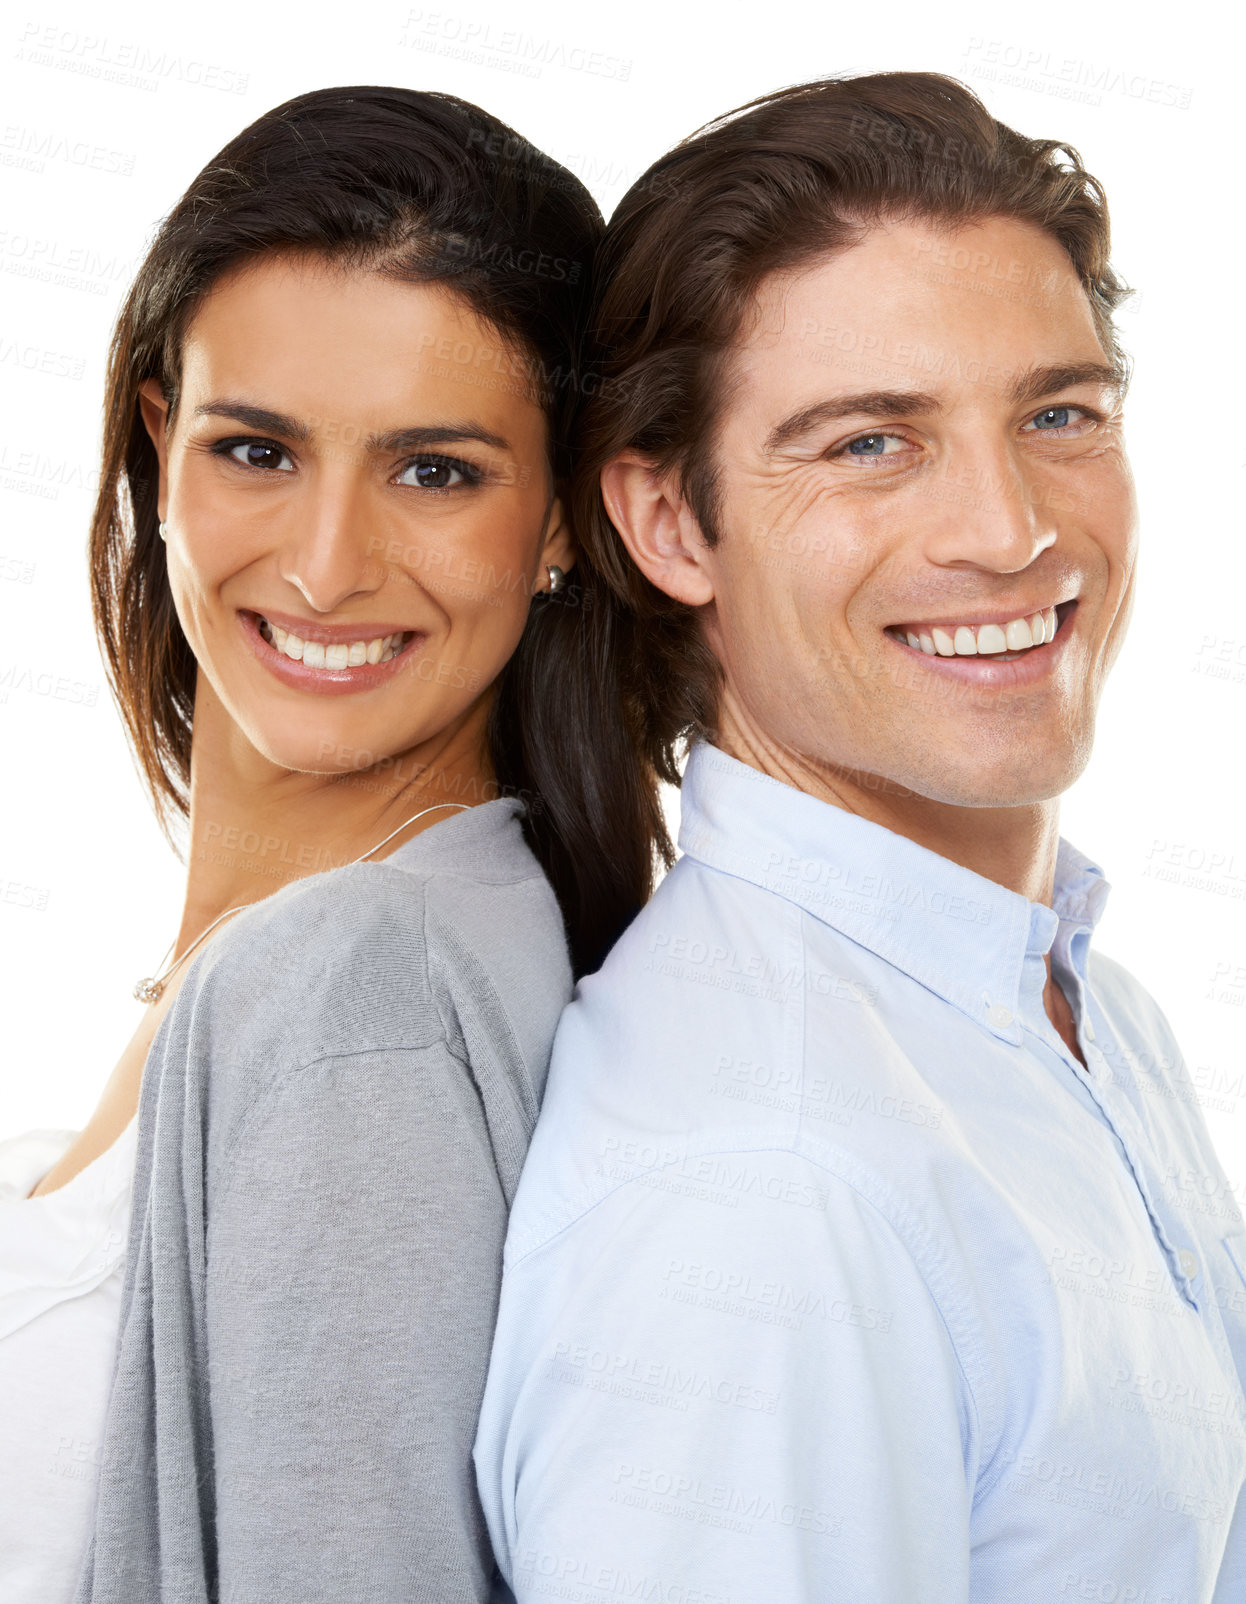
108 114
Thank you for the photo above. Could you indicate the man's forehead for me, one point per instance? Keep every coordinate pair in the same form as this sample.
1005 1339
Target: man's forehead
994 277
875 318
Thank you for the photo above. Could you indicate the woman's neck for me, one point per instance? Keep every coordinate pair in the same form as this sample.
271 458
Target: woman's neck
255 827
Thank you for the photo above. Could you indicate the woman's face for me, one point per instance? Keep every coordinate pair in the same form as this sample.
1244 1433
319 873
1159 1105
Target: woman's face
359 508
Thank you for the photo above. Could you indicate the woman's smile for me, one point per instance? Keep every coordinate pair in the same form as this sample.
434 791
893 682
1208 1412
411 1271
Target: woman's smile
328 660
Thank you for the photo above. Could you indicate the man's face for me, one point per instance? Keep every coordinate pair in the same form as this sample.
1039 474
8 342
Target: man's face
921 441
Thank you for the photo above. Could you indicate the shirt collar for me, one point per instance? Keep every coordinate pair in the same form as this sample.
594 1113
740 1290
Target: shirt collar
959 934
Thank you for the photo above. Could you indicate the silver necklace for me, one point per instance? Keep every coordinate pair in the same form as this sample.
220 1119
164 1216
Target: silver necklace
150 990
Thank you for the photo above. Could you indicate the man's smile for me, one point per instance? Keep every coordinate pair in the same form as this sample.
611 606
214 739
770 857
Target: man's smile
1002 637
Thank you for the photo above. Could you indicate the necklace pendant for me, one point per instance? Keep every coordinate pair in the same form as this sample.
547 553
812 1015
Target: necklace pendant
148 991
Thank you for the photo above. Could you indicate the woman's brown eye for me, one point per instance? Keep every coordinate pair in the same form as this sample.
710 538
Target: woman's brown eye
260 454
433 473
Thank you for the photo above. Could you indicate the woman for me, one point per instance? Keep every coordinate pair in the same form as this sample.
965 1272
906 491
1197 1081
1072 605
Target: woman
328 562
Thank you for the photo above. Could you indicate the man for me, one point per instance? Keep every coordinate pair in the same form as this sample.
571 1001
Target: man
846 1264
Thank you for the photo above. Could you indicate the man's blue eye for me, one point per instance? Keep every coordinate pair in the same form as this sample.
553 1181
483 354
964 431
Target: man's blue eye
1053 418
869 445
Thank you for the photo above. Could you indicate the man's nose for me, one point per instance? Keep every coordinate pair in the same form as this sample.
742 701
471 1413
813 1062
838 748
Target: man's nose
993 514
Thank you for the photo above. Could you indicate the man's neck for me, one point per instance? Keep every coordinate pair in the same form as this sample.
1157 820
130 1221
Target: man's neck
1014 846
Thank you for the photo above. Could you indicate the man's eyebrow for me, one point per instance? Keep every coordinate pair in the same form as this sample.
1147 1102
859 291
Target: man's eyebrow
392 440
874 403
1029 385
1034 383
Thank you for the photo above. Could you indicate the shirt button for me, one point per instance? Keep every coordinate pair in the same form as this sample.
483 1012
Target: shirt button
1088 1031
1188 1262
999 1015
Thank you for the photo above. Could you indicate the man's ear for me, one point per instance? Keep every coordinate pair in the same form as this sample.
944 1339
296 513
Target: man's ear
155 413
657 527
559 546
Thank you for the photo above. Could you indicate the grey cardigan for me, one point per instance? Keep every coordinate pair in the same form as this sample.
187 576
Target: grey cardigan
334 1114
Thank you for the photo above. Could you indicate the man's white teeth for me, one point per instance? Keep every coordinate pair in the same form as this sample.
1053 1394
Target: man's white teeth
341 654
988 640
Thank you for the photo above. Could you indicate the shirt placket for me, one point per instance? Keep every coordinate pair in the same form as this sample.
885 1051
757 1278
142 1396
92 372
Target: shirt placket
1097 1084
1182 1258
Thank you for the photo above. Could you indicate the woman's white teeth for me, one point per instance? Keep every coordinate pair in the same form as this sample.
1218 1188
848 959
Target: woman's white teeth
1009 639
341 654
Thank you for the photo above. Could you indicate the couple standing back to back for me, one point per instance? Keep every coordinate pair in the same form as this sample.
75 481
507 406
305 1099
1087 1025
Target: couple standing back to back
793 1303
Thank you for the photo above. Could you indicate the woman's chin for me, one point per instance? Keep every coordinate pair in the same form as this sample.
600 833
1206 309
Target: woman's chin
328 747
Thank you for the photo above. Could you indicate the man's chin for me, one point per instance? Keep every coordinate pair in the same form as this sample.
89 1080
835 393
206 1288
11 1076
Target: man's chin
1013 782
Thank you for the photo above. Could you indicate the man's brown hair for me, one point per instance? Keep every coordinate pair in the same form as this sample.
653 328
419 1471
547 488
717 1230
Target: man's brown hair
789 177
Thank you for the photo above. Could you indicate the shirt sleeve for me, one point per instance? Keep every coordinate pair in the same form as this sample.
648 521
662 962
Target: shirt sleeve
728 1383
352 1273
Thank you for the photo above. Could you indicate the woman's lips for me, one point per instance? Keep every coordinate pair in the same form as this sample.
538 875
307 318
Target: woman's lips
322 680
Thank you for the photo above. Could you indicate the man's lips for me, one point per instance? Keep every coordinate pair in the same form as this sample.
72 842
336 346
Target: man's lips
1002 635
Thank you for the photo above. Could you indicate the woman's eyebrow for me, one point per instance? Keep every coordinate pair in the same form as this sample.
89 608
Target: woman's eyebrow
435 435
410 439
256 418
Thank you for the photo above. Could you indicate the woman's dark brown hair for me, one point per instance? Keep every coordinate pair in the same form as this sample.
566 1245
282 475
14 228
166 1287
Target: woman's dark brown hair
789 177
425 188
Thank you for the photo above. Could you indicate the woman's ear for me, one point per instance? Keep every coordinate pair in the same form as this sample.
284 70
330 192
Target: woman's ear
658 528
155 413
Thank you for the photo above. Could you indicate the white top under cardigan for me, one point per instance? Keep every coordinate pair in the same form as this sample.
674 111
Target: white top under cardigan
62 1257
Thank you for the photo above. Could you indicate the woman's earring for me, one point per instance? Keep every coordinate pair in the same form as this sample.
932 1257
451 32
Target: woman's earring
164 530
557 579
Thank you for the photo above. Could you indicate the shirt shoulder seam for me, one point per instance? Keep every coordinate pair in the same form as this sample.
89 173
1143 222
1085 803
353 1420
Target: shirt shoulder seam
281 1080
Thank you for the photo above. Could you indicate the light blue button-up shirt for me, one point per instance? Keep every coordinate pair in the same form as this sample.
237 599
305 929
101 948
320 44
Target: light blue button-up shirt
833 1276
